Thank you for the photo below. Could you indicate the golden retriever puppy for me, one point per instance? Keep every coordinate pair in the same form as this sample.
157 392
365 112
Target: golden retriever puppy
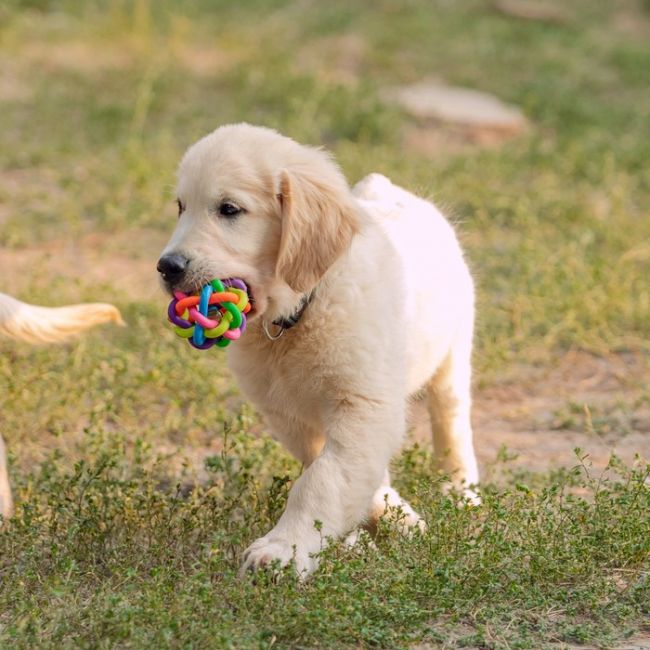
22 322
361 298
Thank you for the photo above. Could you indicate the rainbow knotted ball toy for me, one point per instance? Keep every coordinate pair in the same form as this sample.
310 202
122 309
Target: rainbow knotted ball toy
214 316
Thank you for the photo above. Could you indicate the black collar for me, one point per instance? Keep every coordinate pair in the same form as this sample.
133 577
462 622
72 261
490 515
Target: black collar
288 322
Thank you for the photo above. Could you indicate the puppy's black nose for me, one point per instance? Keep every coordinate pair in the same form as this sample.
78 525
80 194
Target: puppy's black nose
172 267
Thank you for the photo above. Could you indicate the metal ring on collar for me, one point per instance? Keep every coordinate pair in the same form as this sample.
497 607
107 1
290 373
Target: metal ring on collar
269 336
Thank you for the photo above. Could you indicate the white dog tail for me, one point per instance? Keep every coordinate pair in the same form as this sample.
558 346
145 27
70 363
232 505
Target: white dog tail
33 324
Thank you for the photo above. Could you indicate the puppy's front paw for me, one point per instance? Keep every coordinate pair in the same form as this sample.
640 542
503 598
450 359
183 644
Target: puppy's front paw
266 550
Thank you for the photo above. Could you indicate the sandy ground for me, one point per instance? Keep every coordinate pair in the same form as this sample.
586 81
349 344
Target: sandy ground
599 404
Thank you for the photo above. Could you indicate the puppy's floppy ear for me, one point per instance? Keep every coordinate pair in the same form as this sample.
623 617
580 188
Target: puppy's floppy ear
319 218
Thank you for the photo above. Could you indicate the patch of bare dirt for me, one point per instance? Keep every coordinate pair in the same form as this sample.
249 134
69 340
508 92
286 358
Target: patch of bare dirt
91 57
599 404
79 56
203 61
635 24
532 11
438 137
124 259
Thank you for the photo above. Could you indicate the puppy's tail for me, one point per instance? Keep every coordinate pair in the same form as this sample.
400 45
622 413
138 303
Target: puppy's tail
23 322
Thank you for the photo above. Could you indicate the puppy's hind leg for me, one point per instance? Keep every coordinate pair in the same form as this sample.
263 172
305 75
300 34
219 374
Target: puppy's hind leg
449 402
387 502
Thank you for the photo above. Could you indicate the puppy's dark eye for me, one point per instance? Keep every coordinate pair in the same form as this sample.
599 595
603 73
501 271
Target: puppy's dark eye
230 210
181 207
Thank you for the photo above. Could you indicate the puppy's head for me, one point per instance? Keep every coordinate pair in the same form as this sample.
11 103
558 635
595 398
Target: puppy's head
258 206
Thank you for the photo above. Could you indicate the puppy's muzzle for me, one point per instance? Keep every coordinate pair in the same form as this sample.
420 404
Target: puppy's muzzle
172 267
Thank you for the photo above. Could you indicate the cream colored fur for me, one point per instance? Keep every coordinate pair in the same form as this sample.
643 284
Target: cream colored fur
393 312
33 324
23 322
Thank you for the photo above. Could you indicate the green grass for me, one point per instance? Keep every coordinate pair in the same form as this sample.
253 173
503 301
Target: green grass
107 554
119 541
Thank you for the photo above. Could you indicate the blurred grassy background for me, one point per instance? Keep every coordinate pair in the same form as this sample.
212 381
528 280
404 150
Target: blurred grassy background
101 98
98 101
